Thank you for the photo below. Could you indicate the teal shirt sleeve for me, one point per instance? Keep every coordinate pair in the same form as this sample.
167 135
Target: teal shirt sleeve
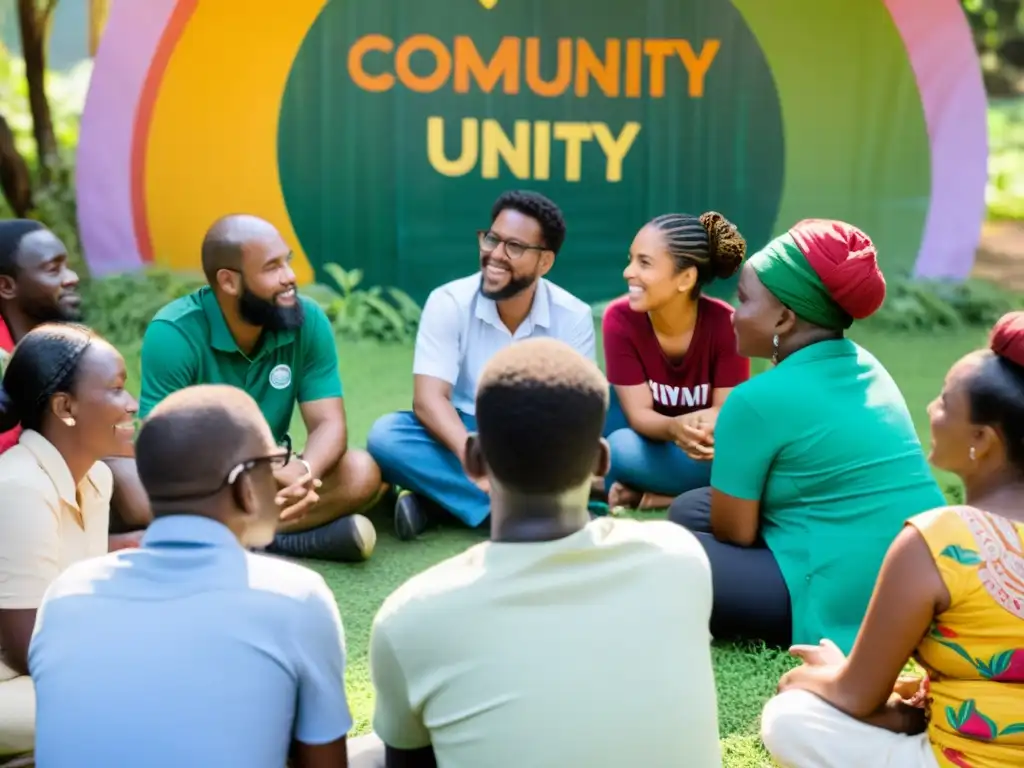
745 447
320 377
169 363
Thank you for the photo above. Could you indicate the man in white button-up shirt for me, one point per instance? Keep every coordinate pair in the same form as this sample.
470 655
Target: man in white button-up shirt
463 324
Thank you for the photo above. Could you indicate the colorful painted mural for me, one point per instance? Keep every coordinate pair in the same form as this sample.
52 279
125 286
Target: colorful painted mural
376 134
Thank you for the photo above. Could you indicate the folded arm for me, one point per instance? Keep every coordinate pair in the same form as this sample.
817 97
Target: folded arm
908 595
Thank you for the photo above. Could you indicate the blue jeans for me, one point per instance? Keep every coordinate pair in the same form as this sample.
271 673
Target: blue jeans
410 457
647 465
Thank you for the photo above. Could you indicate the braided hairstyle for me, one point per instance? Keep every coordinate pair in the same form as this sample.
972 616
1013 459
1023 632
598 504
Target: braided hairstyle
710 243
45 362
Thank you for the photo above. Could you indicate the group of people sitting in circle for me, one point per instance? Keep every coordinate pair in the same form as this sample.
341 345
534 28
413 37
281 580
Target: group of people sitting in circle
147 615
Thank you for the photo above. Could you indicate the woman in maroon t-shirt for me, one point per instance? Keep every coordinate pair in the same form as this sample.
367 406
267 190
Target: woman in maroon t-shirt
671 357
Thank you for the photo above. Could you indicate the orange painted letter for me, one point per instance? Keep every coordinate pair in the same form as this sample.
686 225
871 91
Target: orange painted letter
504 65
442 63
360 77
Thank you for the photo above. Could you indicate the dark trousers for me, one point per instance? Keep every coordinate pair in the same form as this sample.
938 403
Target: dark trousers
751 600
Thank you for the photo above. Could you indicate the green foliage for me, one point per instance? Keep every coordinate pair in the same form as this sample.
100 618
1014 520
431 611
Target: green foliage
55 204
1004 193
120 307
923 305
388 315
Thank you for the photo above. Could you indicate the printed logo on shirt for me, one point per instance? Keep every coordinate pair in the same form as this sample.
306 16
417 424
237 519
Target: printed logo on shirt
680 396
281 376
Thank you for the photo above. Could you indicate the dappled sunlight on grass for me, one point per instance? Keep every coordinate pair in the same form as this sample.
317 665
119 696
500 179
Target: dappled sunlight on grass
378 379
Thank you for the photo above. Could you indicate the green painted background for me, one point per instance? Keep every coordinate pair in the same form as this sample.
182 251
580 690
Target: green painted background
361 192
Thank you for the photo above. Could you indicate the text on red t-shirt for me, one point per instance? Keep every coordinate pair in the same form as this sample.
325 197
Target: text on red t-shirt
633 356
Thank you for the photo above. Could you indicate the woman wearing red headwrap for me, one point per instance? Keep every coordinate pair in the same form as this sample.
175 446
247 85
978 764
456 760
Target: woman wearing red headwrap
817 463
950 594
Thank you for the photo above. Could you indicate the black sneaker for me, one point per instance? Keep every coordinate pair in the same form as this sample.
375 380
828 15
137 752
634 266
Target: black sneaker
410 516
349 539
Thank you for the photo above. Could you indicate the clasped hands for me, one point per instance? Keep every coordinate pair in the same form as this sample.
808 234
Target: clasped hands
694 433
906 704
297 490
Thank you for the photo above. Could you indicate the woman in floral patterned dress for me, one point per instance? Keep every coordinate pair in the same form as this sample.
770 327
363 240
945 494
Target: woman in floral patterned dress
950 594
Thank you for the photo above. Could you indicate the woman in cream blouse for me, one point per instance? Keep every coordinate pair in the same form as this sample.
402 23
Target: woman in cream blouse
65 387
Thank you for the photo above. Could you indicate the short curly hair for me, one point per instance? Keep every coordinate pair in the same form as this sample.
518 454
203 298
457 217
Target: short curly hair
537 207
540 411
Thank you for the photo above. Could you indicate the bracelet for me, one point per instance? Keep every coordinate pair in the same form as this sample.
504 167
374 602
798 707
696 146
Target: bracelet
309 469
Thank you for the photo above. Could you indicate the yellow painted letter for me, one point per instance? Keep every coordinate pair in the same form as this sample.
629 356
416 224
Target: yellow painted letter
542 150
470 147
615 149
573 134
494 144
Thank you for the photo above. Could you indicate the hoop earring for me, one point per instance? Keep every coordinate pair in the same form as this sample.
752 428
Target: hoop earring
775 349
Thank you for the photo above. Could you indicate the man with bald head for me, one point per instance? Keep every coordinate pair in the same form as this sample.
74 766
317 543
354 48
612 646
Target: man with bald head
241 656
251 329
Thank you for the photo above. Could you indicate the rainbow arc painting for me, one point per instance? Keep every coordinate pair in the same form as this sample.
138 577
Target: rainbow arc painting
376 133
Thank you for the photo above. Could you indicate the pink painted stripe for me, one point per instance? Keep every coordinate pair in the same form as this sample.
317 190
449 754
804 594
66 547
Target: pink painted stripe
945 61
103 172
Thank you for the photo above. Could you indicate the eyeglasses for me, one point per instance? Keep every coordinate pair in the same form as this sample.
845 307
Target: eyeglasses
276 461
489 241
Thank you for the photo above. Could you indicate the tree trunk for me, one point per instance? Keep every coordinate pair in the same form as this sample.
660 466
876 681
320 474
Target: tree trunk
34 20
99 10
15 180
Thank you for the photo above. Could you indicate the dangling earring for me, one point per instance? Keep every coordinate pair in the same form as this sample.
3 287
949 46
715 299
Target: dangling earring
775 349
972 454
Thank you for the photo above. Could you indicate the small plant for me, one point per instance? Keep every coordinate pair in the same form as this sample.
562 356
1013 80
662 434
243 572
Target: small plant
120 306
935 305
388 315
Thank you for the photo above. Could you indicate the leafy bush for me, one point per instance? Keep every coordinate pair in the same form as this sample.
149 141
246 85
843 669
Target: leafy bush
120 306
1004 193
388 315
927 305
55 204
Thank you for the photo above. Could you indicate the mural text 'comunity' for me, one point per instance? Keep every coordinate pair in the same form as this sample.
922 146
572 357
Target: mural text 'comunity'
377 134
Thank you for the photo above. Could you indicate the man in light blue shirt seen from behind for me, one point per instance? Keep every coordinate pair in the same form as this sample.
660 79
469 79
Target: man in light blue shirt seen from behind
464 323
192 651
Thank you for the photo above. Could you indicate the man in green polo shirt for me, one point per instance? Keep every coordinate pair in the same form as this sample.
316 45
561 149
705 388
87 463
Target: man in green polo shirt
251 329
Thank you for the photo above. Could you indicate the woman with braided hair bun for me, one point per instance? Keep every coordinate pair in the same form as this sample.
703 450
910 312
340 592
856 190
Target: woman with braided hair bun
671 357
950 594
65 387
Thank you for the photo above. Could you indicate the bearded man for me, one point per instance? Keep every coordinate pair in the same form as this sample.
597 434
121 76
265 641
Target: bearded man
250 328
464 323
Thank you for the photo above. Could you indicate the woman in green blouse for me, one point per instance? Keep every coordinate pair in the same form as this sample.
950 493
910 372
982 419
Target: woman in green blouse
817 463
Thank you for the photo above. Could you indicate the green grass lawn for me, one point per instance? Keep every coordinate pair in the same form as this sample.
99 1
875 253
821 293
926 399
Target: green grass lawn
378 379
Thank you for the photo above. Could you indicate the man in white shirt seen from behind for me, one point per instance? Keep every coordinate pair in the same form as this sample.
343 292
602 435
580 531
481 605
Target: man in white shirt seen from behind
562 641
191 651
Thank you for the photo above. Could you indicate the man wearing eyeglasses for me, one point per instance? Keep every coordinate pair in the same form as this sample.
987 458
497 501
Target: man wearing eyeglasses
252 329
464 323
190 650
